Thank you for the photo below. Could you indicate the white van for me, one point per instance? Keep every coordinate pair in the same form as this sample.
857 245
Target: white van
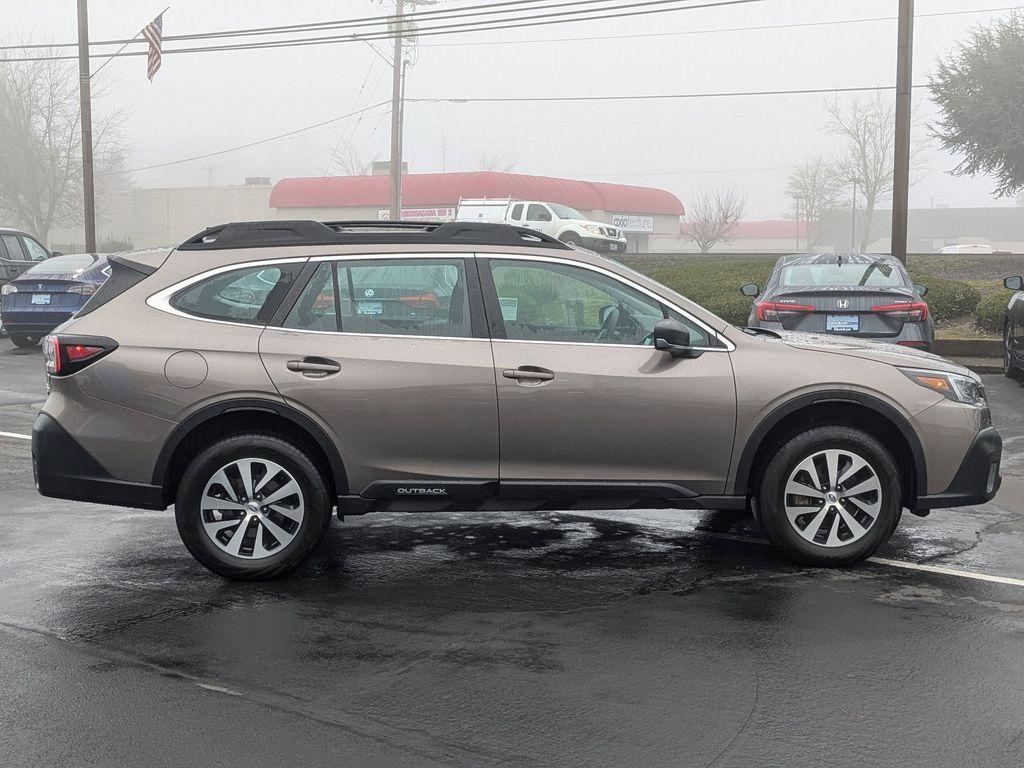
560 221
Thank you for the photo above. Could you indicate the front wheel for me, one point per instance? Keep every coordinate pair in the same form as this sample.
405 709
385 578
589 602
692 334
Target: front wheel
24 339
572 239
1010 367
830 496
252 506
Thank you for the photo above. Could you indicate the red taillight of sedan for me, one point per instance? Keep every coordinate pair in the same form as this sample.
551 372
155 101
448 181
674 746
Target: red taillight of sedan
776 312
909 312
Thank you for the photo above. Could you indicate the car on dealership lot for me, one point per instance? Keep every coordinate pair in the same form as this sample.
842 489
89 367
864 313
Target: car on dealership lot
855 295
18 251
44 296
520 374
1013 329
559 221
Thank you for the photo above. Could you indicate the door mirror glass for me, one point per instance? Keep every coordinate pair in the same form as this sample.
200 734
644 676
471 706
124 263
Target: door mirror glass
673 337
751 289
1015 283
922 290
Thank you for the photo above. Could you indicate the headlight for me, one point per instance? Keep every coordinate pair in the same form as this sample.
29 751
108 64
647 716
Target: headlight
953 386
592 229
8 288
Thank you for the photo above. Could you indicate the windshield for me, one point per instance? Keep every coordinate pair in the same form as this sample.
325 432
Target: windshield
877 274
565 212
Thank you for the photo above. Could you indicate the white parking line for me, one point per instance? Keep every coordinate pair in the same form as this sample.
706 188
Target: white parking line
15 435
947 571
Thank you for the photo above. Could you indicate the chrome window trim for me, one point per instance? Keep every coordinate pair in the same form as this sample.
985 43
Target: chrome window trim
161 299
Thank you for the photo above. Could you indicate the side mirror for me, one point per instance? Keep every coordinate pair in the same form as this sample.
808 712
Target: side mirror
673 337
922 290
752 290
56 253
1015 283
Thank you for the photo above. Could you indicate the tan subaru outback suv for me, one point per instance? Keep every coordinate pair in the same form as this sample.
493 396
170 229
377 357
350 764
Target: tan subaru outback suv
261 375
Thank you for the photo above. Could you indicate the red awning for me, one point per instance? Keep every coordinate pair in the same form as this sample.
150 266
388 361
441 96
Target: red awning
445 189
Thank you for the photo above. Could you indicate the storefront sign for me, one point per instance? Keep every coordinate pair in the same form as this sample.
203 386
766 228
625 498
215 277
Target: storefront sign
632 223
419 214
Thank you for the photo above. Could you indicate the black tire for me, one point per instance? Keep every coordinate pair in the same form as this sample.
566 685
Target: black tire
24 339
317 506
570 238
1010 368
771 498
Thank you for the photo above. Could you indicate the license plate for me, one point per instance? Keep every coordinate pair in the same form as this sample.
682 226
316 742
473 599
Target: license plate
842 323
369 308
40 298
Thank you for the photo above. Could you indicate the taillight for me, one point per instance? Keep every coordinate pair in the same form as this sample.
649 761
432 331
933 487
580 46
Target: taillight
66 355
83 289
908 312
776 312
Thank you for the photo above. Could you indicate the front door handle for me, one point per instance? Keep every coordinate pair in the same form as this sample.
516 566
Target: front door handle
314 367
528 374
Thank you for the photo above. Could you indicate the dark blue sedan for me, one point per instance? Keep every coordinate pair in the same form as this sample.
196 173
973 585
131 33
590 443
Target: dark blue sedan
46 295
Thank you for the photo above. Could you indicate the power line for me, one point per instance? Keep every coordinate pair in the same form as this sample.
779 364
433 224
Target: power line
688 32
250 144
446 29
651 97
284 28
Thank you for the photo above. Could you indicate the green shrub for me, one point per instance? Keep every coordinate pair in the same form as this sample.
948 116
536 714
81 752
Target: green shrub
713 283
948 299
989 312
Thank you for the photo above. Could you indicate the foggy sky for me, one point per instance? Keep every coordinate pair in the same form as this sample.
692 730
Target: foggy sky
206 102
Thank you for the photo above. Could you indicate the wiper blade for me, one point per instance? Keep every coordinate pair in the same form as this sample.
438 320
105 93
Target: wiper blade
751 331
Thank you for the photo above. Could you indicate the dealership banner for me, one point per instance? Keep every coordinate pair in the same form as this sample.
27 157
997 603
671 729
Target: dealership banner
630 223
419 214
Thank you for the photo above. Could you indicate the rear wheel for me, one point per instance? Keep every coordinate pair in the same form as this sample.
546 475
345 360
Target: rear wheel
252 507
24 339
830 496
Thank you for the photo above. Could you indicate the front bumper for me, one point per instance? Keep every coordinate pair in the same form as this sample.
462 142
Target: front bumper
977 480
604 244
64 470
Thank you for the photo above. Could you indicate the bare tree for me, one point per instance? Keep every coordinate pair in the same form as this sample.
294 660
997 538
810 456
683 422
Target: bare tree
41 142
712 214
346 159
499 162
814 189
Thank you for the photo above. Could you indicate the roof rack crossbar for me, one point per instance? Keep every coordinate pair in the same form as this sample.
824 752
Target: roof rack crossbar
257 234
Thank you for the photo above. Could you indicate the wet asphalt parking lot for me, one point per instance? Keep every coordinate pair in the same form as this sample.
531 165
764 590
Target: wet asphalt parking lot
548 639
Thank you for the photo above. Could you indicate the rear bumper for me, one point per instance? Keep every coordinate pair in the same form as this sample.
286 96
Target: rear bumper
63 470
977 480
34 322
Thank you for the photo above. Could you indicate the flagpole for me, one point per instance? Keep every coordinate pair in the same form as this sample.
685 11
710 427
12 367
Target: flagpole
116 53
88 191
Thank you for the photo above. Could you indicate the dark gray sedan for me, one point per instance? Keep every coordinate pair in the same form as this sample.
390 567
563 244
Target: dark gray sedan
866 296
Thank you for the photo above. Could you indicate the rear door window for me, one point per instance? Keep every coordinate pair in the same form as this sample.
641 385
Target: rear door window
517 212
411 297
15 250
247 295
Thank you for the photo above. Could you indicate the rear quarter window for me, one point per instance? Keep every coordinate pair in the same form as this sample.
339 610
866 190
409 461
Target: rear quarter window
245 295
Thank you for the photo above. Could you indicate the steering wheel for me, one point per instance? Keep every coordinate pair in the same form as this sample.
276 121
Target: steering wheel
610 324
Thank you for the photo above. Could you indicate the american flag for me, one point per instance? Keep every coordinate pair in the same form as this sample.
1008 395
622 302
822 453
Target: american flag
154 33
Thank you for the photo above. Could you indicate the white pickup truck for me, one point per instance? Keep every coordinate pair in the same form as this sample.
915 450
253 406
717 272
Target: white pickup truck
561 221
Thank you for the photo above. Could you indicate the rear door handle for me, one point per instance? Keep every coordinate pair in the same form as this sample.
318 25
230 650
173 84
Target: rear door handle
314 367
528 374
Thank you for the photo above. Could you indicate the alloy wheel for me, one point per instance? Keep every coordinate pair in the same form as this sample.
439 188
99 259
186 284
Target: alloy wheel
833 497
252 508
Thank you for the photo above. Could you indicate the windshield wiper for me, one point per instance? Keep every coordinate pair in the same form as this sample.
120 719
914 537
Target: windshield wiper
878 264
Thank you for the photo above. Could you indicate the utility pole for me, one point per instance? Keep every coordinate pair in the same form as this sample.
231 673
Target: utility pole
901 147
88 190
396 113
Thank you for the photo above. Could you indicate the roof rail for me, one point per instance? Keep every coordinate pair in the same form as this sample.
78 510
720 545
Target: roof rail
265 234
